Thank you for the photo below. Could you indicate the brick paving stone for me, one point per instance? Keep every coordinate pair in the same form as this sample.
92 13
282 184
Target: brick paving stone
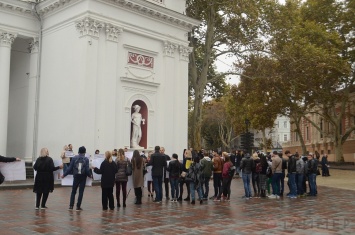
331 212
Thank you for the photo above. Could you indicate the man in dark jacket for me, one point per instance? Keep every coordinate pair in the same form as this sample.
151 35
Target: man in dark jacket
158 163
165 179
174 169
246 166
291 169
78 164
312 174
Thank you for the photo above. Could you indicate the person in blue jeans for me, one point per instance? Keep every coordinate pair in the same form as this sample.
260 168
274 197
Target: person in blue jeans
299 174
79 167
291 169
312 174
246 166
194 175
174 169
158 163
276 167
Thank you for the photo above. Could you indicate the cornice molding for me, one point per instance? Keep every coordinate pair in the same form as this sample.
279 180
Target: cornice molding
143 7
156 11
7 38
16 6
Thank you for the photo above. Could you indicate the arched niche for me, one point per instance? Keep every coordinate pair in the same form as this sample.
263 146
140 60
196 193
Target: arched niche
144 124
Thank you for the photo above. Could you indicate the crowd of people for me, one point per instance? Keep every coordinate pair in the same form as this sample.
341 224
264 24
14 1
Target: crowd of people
194 172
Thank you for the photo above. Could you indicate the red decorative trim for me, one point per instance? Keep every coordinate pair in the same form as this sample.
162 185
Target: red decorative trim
140 60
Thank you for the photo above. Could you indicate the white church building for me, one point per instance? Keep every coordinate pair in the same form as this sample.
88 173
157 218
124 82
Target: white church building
71 72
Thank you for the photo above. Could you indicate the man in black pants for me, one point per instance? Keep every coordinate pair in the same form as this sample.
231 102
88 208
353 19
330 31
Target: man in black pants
166 180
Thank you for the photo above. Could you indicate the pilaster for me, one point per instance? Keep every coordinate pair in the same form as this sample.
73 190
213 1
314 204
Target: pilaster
6 40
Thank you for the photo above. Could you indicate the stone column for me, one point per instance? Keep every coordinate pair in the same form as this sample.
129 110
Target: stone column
6 39
33 47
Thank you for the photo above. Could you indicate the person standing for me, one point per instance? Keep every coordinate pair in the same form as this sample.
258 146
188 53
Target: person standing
312 174
227 179
79 167
137 176
108 170
238 160
206 171
166 179
121 177
325 165
193 176
246 166
263 177
65 159
44 180
291 170
174 169
256 175
217 175
158 163
299 175
150 182
276 168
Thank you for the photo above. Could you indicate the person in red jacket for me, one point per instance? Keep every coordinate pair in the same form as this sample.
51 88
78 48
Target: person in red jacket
226 177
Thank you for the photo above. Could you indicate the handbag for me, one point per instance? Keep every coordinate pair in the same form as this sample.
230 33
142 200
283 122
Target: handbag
2 178
129 169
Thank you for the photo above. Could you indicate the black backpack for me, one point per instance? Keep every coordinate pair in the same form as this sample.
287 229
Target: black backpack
231 171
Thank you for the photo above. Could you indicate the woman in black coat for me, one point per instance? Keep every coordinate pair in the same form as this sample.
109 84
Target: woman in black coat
44 181
108 170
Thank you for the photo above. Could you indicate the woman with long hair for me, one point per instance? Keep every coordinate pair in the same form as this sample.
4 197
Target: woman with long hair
108 170
226 178
121 177
137 175
44 181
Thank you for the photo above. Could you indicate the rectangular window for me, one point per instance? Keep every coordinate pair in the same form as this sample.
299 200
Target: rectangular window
296 136
285 124
321 128
322 152
307 136
285 137
328 151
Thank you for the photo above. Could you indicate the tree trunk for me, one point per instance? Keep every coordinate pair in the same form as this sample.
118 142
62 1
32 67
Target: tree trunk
339 157
264 141
298 131
197 121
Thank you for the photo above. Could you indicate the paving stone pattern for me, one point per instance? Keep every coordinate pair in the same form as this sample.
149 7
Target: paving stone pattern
332 212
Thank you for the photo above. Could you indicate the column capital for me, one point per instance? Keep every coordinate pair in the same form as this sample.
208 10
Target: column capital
184 52
33 45
169 48
89 27
7 38
112 32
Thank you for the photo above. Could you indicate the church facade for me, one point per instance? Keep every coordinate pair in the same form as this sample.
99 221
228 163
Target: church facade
72 71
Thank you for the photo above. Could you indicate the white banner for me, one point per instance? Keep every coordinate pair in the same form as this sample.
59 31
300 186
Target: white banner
13 170
68 181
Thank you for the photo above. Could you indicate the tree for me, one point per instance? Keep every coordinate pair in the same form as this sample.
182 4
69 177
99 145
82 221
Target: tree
227 27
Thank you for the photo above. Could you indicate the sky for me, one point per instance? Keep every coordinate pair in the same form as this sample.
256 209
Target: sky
225 64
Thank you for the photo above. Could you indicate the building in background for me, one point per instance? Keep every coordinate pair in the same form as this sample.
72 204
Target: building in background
71 71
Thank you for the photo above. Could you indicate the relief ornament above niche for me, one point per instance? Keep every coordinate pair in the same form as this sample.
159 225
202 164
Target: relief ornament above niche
139 65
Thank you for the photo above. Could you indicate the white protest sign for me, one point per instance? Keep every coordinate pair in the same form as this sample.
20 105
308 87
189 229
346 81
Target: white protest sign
13 170
69 154
68 181
59 172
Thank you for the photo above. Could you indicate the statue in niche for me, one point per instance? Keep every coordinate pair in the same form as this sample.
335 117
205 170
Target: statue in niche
136 119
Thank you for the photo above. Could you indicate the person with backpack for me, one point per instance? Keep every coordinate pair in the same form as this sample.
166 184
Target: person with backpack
227 176
206 171
79 167
108 170
256 175
194 178
174 169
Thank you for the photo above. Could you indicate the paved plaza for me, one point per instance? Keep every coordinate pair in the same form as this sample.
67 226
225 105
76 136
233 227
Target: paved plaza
332 212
